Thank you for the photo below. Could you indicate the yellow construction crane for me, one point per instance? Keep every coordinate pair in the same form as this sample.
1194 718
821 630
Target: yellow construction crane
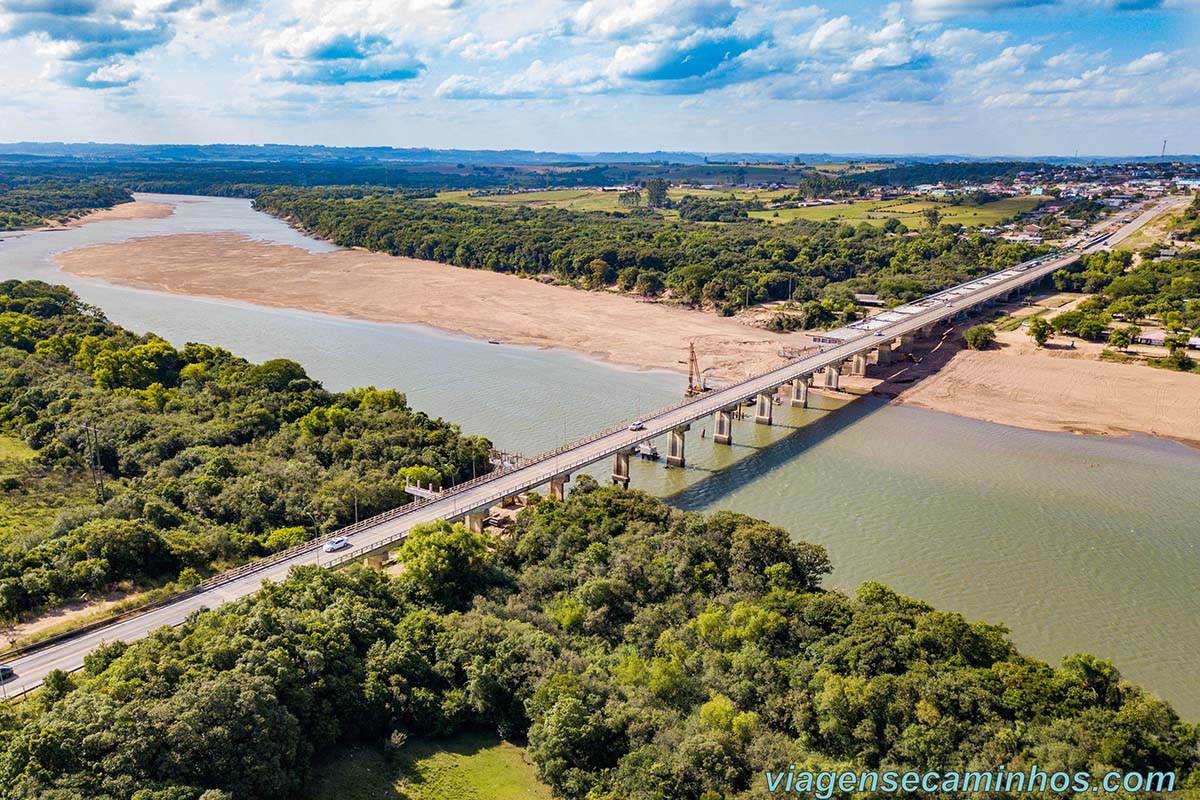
695 380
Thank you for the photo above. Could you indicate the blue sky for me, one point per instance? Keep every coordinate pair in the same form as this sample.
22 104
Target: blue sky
915 76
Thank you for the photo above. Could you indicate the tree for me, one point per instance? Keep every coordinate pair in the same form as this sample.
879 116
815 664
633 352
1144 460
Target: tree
631 199
1122 338
656 192
600 273
1180 360
1040 330
444 563
933 217
649 284
980 337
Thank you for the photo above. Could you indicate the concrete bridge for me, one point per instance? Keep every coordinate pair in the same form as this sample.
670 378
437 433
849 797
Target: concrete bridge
875 340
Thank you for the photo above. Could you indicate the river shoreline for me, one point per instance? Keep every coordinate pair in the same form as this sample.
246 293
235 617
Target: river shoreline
1056 388
136 209
489 306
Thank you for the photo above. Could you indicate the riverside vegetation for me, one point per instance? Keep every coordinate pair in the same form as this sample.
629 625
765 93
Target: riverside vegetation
640 652
636 650
819 265
206 460
26 202
1163 293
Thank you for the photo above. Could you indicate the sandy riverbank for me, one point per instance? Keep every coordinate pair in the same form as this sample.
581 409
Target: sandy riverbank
485 305
1055 388
138 209
1014 383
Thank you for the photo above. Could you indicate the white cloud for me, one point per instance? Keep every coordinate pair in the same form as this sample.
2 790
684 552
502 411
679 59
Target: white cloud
471 47
94 43
965 44
1148 64
653 19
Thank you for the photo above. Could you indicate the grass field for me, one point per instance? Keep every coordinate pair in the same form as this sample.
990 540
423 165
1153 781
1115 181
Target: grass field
1154 232
469 766
30 498
594 199
907 210
13 449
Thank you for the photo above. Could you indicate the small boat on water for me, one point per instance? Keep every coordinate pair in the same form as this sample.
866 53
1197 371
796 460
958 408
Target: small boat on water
495 341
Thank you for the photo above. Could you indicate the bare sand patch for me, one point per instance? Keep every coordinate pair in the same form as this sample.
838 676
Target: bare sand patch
485 305
1014 383
1056 388
62 616
138 209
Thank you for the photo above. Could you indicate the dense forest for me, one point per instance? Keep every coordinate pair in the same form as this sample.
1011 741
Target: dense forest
250 179
27 202
643 653
717 266
952 171
202 459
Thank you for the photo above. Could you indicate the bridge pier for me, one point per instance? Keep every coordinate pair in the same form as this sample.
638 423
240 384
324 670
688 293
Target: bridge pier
474 520
927 332
883 356
558 487
724 429
620 469
906 343
858 365
675 442
375 560
832 375
764 407
800 391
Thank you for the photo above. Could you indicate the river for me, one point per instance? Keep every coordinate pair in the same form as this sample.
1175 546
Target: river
1076 544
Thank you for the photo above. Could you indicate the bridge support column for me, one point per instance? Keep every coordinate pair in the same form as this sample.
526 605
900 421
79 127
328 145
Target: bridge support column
375 560
474 520
832 376
764 407
927 332
724 430
620 469
858 365
675 442
558 487
800 391
906 343
883 357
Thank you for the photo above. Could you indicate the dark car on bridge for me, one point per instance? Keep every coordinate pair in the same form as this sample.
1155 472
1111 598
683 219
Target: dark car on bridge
6 673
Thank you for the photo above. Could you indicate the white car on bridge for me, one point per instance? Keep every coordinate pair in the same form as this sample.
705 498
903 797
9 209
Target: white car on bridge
335 544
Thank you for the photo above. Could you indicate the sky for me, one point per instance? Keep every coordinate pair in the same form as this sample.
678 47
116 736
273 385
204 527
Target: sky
982 77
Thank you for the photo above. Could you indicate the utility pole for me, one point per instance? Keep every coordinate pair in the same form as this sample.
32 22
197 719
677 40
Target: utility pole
316 534
93 441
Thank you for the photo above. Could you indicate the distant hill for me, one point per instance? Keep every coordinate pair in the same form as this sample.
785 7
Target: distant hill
94 151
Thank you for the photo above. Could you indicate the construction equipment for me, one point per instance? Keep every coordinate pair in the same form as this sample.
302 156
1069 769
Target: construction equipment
696 382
